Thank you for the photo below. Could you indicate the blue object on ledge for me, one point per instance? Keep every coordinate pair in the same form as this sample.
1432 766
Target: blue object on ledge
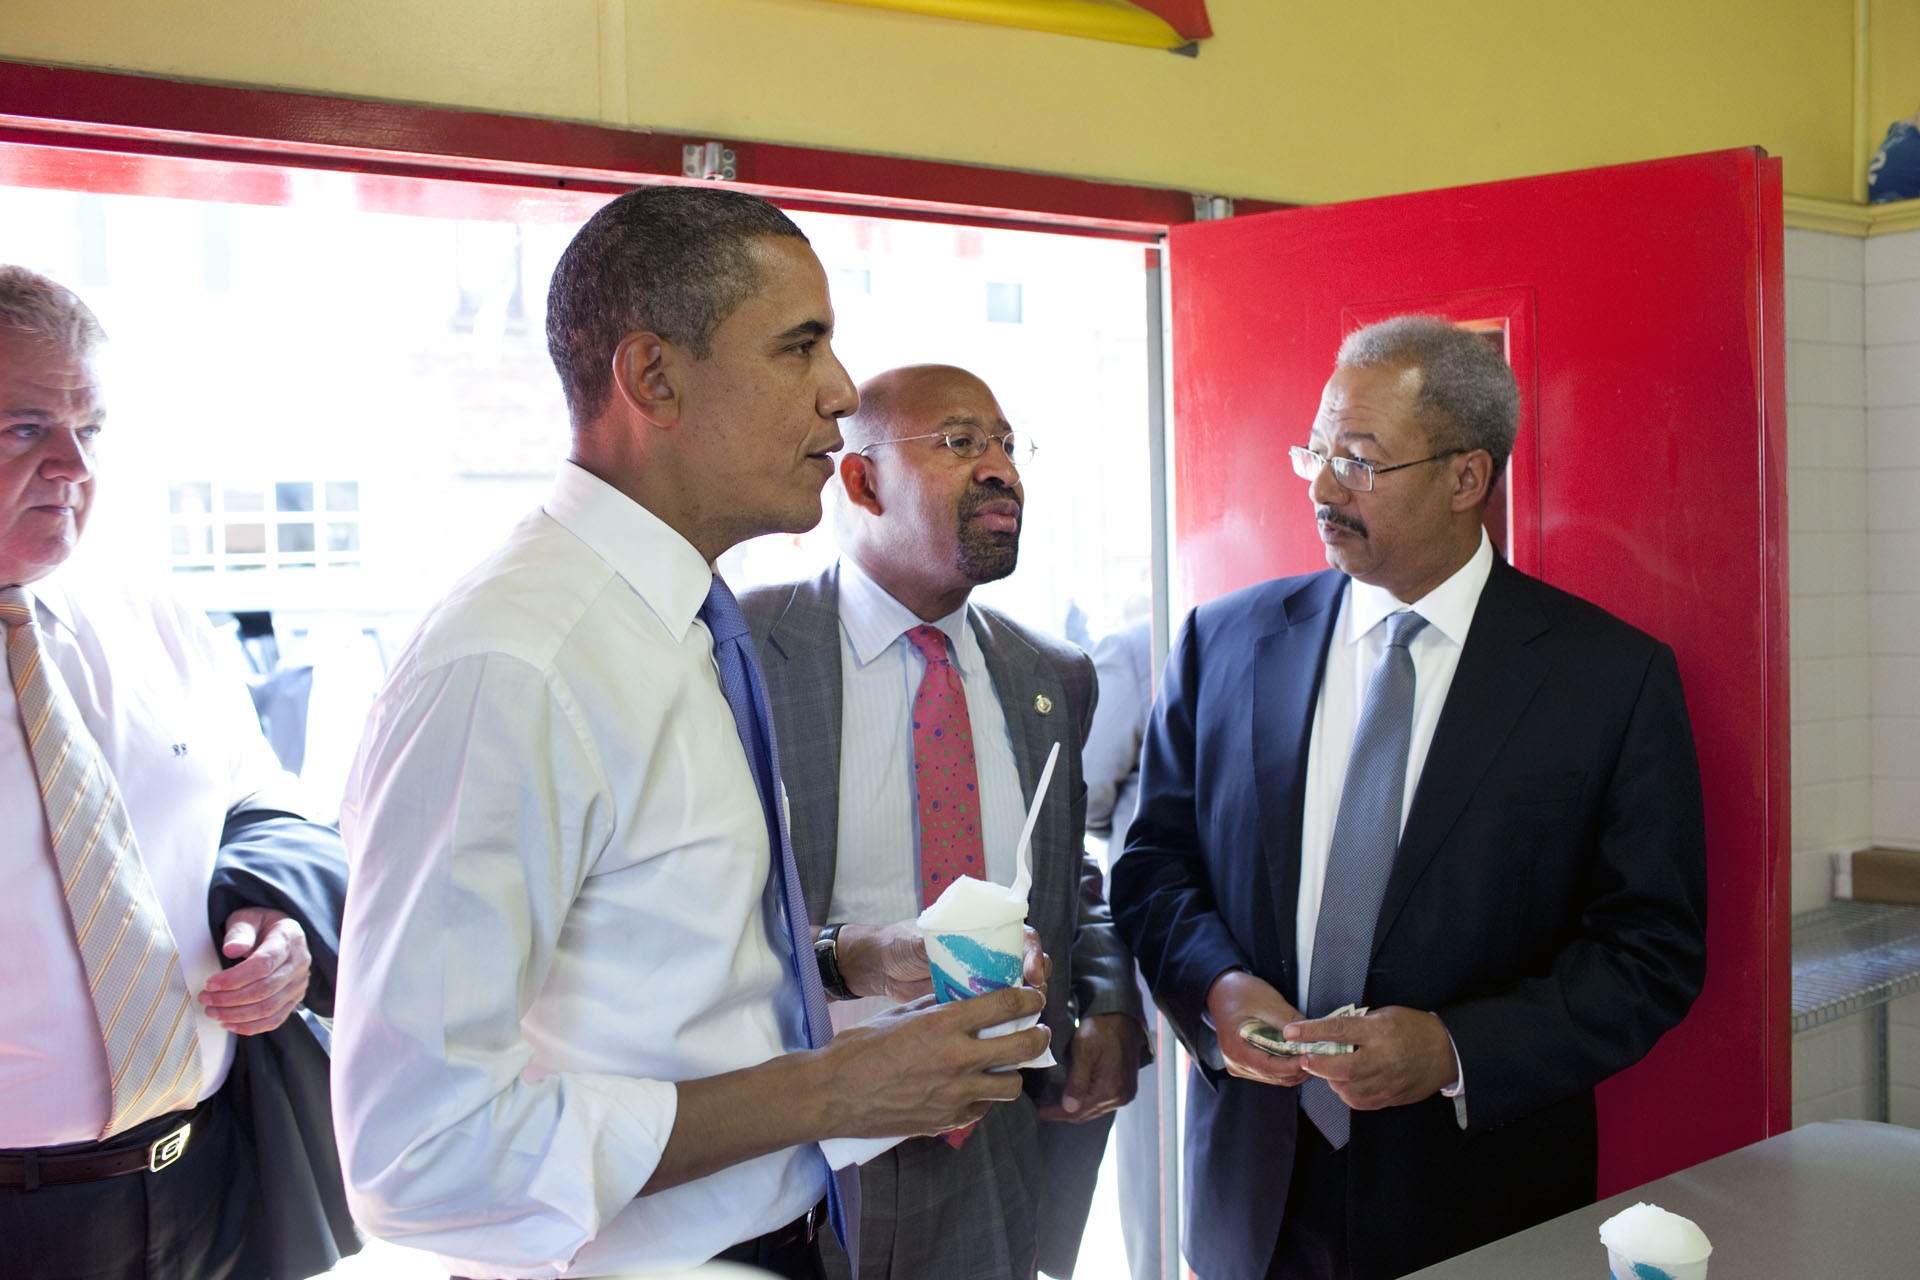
1894 171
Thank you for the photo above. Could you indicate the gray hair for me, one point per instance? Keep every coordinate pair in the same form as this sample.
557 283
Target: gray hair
1468 399
37 307
668 260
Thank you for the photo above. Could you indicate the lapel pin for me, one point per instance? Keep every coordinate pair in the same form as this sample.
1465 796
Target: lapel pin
1043 704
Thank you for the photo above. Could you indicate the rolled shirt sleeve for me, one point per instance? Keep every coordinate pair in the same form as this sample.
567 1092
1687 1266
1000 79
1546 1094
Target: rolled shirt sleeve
530 960
466 860
560 905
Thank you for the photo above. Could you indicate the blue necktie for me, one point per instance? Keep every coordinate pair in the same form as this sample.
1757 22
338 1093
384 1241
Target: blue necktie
747 695
1366 834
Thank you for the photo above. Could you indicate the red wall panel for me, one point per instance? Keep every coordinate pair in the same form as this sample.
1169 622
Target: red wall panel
1650 479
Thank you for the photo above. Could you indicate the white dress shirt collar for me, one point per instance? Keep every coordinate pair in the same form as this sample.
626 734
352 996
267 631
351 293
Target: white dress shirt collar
874 620
661 566
53 593
1448 608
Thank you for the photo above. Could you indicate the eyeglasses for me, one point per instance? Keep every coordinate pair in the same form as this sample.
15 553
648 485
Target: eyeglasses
967 443
1354 475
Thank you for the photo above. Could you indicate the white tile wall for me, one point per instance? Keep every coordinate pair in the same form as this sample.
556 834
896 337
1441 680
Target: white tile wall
1829 1071
1904 1044
1891 311
1828 512
1886 258
1853 455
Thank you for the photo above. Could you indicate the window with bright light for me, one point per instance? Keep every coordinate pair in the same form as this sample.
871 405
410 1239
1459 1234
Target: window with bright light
331 397
327 407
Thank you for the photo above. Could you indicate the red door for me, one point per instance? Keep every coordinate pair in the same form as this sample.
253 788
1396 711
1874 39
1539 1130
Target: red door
1640 307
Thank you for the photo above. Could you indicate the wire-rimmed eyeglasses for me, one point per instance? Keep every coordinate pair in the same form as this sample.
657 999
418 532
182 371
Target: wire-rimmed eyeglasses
968 443
1353 474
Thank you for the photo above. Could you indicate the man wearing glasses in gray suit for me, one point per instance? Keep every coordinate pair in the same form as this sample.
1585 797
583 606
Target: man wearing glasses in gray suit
875 668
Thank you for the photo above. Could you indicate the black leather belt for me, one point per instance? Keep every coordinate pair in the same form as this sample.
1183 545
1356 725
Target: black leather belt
767 1250
800 1231
145 1148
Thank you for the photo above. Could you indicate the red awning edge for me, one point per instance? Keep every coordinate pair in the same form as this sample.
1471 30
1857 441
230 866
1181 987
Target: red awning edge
1188 17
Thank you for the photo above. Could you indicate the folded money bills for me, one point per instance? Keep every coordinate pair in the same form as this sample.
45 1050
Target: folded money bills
1267 1037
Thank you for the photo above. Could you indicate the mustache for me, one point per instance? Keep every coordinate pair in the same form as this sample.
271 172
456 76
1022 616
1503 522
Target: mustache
979 495
1340 518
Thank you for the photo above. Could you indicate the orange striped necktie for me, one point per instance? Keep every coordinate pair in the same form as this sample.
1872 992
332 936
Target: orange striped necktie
133 968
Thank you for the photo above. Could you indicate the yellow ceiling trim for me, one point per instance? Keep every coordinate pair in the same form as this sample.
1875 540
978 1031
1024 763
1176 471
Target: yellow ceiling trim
1809 213
1111 20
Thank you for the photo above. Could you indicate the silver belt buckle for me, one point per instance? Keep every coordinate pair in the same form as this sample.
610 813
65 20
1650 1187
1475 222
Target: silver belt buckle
168 1148
814 1215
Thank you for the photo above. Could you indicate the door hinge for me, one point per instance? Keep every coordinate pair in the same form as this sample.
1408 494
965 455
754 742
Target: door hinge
708 160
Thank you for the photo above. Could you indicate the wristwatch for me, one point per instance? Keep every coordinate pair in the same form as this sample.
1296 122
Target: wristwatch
826 954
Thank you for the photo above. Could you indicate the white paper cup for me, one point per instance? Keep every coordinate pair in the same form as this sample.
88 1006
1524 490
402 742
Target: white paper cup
1627 1269
972 962
988 955
1646 1242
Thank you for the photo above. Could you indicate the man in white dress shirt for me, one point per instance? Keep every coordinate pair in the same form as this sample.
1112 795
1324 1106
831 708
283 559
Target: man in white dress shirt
570 1035
928 506
92 1184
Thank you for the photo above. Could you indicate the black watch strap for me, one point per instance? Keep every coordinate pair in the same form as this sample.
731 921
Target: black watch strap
826 954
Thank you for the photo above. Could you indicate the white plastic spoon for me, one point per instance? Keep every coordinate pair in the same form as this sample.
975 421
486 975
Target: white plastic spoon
1023 876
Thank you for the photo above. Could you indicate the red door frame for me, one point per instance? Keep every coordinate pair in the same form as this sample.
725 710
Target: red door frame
142 123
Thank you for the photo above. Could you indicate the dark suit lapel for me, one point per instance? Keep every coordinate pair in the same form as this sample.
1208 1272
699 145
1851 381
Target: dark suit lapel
1021 681
1034 704
806 643
1495 680
1288 662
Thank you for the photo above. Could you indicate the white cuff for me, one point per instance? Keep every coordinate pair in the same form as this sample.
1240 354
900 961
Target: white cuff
1458 1089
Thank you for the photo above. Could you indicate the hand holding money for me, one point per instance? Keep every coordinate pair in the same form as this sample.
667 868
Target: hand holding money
1394 1056
1238 999
1272 1040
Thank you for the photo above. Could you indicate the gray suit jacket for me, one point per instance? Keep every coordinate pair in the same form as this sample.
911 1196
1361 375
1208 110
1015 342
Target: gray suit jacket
797 627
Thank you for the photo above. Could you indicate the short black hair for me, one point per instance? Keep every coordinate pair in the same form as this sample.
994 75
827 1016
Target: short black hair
670 260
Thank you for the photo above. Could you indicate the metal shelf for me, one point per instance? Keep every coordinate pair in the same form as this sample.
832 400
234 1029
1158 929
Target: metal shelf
1856 957
1850 957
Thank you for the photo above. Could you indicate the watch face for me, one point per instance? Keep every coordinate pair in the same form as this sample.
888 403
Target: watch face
826 954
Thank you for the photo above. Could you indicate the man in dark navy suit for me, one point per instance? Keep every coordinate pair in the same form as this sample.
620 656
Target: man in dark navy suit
1426 785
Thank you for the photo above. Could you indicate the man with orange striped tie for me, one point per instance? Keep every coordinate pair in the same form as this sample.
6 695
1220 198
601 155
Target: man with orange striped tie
123 749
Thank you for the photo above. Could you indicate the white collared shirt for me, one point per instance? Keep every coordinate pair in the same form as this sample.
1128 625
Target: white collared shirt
178 731
877 875
1358 642
560 906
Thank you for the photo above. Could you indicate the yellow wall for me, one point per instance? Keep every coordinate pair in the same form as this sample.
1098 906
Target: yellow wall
1301 100
1893 65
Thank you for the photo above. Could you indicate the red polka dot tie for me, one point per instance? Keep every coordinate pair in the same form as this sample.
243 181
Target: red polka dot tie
947 782
943 771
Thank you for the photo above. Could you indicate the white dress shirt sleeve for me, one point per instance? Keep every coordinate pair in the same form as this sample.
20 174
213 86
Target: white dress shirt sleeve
473 818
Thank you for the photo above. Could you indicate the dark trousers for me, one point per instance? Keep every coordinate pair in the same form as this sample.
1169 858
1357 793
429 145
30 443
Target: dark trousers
186 1222
796 1259
1313 1227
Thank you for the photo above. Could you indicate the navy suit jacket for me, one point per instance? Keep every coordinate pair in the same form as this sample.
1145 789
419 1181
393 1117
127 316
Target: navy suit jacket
1547 901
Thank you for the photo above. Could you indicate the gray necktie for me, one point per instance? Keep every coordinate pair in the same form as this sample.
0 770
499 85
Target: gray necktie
1366 832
